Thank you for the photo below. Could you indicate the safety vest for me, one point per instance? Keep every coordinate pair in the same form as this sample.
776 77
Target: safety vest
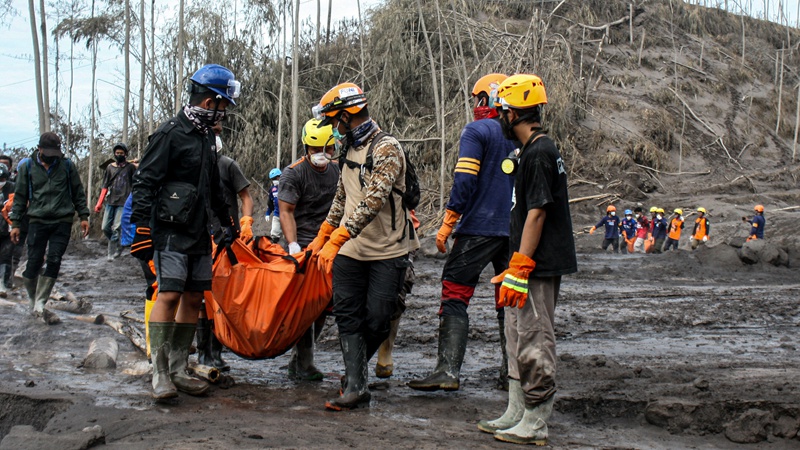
675 227
700 225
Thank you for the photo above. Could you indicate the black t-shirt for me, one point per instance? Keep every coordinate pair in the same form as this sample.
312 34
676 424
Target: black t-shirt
232 181
541 182
312 194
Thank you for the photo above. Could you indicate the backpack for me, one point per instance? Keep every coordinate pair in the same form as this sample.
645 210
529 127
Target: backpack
411 197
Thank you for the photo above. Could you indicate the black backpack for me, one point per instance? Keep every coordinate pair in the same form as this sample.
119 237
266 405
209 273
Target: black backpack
411 196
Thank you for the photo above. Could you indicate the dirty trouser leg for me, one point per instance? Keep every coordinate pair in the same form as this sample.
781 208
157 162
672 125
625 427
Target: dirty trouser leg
531 341
108 221
638 246
462 270
384 368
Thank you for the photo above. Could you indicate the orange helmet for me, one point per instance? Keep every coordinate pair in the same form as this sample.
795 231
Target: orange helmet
342 97
488 84
759 208
611 208
521 91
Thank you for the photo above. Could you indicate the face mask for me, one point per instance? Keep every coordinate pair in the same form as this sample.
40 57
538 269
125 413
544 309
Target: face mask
508 128
49 160
658 216
119 158
613 213
207 116
638 215
628 217
219 143
319 159
2 183
274 182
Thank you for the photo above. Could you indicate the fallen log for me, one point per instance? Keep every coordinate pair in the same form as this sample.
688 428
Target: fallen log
129 331
591 197
96 320
69 303
128 315
102 354
206 372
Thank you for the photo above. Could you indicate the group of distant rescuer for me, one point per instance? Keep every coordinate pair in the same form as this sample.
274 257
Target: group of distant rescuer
508 206
659 233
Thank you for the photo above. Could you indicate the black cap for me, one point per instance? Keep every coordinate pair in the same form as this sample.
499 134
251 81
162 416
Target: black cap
50 144
121 146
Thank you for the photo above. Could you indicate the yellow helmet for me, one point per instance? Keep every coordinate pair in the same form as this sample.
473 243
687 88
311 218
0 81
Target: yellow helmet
653 209
660 210
521 91
488 83
316 136
342 97
701 210
678 211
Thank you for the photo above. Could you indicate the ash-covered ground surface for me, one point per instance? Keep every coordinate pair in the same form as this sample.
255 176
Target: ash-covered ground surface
679 350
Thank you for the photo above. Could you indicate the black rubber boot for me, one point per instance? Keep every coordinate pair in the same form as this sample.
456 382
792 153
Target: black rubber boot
356 393
215 350
301 366
502 380
453 333
203 349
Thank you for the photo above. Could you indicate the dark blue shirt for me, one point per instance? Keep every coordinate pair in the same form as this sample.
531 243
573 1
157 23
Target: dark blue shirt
629 226
612 226
757 227
659 228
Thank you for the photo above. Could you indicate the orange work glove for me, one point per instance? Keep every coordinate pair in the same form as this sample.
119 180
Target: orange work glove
7 208
514 287
322 237
246 226
450 219
331 249
591 231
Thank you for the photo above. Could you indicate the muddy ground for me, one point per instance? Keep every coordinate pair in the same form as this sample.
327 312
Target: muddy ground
681 350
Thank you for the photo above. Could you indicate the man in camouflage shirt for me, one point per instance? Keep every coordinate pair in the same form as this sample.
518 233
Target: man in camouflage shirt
366 238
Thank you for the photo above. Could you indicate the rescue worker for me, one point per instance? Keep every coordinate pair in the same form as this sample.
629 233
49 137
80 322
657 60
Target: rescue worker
659 231
49 192
701 230
642 230
6 246
612 226
9 163
675 227
173 189
366 238
544 250
19 247
480 201
235 187
305 197
117 183
629 227
272 216
757 223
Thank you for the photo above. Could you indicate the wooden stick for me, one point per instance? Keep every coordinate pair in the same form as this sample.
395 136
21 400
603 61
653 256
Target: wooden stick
690 68
691 111
206 372
131 332
591 197
127 315
96 320
673 173
788 208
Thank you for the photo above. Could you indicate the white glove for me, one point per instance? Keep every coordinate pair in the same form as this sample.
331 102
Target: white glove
705 238
691 239
294 247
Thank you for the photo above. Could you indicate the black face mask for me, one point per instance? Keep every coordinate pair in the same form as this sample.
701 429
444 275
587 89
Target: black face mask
49 160
120 158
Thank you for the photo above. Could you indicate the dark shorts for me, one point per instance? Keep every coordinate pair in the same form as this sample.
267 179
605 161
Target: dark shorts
177 272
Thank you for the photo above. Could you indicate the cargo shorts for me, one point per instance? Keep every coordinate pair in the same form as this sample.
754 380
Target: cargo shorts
177 272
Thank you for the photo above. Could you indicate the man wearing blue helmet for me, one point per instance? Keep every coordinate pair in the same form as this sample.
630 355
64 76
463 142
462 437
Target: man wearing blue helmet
176 184
629 226
273 215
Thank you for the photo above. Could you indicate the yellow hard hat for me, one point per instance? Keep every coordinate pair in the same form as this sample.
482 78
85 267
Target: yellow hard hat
701 210
653 209
660 210
678 211
316 136
521 91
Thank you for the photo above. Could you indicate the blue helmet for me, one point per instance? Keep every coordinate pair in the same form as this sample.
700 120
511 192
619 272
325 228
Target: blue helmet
218 79
274 173
628 212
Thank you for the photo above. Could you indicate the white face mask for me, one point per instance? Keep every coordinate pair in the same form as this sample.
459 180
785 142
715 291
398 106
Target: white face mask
658 216
274 182
219 143
613 213
319 159
2 183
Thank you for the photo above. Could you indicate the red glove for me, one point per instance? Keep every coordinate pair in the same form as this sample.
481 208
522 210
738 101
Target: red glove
514 287
99 204
450 219
331 249
322 237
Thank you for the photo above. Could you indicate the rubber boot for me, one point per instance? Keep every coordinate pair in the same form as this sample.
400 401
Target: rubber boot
30 288
514 411
203 346
215 350
384 368
182 339
111 249
532 429
354 352
301 366
3 287
117 247
453 333
160 334
43 289
502 381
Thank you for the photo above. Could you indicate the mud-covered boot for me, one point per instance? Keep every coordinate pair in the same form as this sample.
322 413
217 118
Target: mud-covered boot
502 380
356 393
532 429
160 335
215 350
384 368
43 289
514 411
182 339
301 366
30 289
3 287
453 333
203 346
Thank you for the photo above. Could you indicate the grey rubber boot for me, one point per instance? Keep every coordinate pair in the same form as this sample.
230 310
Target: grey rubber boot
43 289
356 393
3 287
30 288
112 248
182 338
532 429
453 333
502 380
301 366
514 411
160 335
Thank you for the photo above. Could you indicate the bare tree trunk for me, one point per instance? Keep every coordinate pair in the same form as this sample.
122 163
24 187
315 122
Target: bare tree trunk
179 60
127 55
796 125
295 74
316 42
45 69
437 103
68 137
441 112
93 124
56 107
361 40
328 29
780 94
36 67
465 87
630 21
151 123
143 71
281 89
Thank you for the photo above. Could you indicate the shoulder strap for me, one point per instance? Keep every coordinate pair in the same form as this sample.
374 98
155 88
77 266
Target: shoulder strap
367 165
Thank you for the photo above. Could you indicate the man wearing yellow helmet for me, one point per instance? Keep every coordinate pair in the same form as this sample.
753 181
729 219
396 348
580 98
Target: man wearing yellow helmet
544 250
702 228
675 227
368 272
480 201
307 189
658 230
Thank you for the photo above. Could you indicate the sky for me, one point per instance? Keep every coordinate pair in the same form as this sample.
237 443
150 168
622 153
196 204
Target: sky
17 88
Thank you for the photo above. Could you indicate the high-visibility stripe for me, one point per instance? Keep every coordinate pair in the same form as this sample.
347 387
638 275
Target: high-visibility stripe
515 284
469 160
468 172
468 165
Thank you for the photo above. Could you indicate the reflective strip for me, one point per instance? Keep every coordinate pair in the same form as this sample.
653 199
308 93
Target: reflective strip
468 172
515 284
469 160
468 165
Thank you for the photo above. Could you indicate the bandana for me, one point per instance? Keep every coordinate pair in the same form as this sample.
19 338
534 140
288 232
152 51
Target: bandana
484 112
362 132
199 117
